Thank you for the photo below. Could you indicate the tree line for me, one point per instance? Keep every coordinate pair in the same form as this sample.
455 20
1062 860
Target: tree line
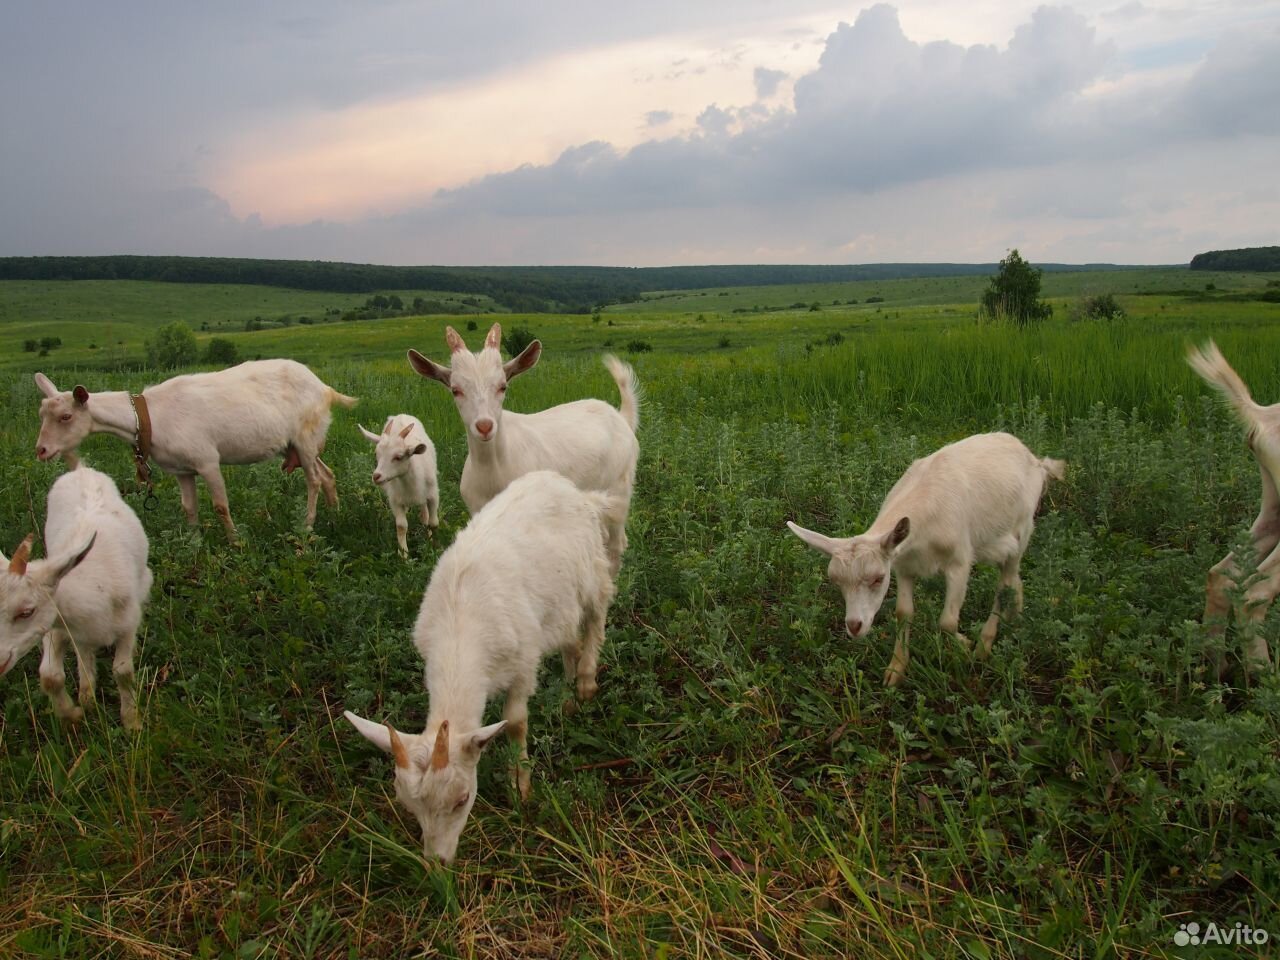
1246 258
519 289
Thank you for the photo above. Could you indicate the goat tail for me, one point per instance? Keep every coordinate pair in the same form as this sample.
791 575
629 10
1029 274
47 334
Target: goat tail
628 386
611 508
341 399
1054 468
1208 361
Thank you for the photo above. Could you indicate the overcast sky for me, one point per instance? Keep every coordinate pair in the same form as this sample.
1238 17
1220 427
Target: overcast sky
602 132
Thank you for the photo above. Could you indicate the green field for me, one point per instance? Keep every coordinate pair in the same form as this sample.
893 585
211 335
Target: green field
743 785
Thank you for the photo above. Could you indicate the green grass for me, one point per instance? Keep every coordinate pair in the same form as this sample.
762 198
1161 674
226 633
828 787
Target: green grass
932 291
106 322
743 786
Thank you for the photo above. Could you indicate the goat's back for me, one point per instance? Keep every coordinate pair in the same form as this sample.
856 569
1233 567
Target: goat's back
979 489
256 405
84 502
518 577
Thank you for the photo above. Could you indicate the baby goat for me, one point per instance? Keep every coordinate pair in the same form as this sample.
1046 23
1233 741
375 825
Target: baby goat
527 576
588 441
244 414
1262 427
973 501
406 472
89 592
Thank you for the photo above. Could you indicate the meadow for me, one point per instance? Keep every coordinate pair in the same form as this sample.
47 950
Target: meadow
743 785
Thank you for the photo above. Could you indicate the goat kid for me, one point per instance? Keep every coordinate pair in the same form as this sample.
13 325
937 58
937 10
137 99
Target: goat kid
1262 428
972 501
89 592
405 469
528 575
589 441
245 414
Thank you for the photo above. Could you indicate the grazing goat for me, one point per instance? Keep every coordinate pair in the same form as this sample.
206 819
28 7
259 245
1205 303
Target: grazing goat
88 592
1262 427
245 414
971 502
589 441
527 576
406 471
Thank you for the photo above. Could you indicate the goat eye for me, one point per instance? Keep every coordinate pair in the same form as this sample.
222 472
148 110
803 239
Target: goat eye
65 417
503 388
25 614
457 391
459 805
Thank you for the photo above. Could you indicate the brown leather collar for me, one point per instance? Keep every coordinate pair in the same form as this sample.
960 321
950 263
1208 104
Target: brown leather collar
142 439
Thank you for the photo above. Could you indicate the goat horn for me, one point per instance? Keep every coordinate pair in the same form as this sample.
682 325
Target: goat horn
440 755
405 432
397 748
18 562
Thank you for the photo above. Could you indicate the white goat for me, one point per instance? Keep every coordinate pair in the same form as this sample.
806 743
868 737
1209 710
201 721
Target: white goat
406 471
589 441
527 576
245 414
973 501
89 592
1262 427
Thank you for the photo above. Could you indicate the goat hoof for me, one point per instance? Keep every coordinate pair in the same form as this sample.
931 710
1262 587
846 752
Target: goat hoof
569 707
894 674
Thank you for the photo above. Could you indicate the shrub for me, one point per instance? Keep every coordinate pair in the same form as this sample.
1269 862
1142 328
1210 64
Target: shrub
639 346
221 350
30 345
471 326
874 300
516 339
1101 307
724 343
174 345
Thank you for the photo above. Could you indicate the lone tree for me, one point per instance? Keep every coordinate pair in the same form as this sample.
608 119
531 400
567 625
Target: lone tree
174 346
1014 293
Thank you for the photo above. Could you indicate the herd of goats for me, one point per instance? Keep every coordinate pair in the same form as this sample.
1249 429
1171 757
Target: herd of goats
534 570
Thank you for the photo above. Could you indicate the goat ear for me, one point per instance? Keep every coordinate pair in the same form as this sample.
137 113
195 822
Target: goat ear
81 394
476 741
891 540
420 448
18 565
368 434
45 385
454 340
428 369
814 539
379 734
58 567
493 339
528 357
